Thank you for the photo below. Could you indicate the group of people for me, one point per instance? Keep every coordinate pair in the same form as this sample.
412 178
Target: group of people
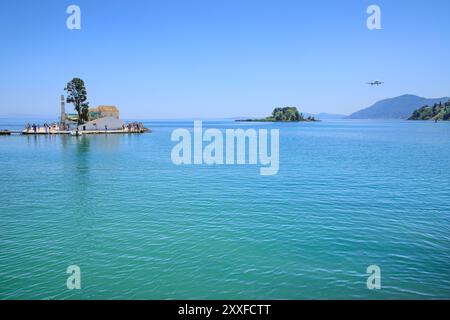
46 128
51 128
134 127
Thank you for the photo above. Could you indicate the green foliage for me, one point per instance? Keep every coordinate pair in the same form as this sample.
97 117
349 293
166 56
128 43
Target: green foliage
439 111
288 114
77 94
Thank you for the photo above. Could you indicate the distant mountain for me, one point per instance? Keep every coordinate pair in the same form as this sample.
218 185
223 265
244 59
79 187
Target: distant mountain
400 107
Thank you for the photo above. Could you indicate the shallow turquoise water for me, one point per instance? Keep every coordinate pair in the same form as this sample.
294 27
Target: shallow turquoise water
349 194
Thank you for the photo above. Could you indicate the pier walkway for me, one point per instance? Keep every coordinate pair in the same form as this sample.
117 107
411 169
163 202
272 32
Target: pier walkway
41 131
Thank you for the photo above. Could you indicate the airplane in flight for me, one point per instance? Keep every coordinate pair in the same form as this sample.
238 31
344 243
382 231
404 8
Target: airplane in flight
375 83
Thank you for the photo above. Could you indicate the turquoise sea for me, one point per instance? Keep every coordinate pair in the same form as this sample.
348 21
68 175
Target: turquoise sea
349 194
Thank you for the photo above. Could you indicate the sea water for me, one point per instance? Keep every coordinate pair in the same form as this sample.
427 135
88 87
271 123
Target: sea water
348 195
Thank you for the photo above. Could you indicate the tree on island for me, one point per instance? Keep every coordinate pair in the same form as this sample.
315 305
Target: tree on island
288 114
77 94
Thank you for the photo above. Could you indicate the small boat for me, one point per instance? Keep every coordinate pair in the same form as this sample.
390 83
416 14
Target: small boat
75 133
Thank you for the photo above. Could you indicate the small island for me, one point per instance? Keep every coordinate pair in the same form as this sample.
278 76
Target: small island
286 114
437 112
103 119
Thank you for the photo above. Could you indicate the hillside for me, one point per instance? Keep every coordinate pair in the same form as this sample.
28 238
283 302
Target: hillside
439 111
395 108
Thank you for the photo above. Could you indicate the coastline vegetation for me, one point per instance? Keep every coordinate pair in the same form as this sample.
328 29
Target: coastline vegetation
439 111
286 114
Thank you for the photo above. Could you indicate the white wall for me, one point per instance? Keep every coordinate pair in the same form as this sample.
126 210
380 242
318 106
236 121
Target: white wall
99 124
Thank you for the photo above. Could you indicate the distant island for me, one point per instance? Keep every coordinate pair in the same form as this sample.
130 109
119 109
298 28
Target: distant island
396 108
439 111
287 114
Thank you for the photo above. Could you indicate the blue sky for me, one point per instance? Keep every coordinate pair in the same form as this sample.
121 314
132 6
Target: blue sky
221 58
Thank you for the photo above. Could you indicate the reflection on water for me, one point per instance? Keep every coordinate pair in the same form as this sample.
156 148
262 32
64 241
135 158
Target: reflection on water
81 175
104 142
82 155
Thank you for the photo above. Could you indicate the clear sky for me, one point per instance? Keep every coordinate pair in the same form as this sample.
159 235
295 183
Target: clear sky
221 58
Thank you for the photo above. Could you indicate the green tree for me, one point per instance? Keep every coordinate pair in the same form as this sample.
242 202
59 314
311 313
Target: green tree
279 116
291 114
77 94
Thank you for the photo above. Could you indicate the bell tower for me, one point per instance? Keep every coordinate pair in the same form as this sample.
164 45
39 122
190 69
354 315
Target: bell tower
63 111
